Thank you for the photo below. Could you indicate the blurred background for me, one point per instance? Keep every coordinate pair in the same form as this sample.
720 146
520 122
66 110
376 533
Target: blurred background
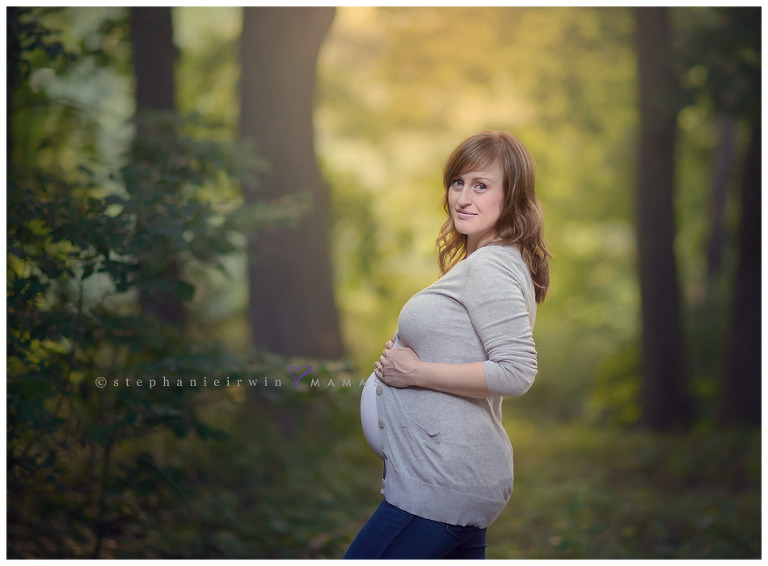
235 192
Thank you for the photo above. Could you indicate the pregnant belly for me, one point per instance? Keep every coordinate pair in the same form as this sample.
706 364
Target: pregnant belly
369 415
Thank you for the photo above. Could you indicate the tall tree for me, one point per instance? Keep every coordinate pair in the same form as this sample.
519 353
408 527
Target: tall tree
740 390
154 59
292 308
727 43
721 173
664 397
11 71
738 91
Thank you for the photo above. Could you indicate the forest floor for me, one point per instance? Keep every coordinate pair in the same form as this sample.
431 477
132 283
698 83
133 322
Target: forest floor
294 478
588 492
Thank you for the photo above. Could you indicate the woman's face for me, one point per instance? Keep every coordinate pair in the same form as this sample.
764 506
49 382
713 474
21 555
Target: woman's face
475 199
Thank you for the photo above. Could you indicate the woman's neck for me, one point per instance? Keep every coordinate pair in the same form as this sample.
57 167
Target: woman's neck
474 244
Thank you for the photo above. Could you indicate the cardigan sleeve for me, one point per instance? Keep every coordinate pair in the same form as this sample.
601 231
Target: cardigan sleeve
497 307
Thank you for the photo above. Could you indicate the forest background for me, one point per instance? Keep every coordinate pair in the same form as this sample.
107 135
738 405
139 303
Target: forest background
229 193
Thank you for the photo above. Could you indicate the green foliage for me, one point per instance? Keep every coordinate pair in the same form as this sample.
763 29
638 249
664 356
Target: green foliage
719 57
275 487
101 204
615 399
600 492
208 41
564 80
83 262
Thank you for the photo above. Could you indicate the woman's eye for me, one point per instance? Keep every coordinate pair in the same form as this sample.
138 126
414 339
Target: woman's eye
481 186
457 183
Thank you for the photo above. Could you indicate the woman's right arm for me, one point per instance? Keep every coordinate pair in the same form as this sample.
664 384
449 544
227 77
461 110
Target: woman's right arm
497 307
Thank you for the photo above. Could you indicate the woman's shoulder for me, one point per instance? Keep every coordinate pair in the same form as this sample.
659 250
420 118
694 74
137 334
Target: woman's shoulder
506 257
499 265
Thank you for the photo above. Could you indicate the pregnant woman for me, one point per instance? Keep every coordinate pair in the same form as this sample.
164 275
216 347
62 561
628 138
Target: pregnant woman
432 407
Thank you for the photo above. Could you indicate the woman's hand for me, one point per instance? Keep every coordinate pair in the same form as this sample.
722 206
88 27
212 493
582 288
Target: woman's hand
401 367
397 367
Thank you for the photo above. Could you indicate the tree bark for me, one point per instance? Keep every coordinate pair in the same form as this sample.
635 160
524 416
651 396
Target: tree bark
740 389
292 307
721 173
11 74
664 398
154 59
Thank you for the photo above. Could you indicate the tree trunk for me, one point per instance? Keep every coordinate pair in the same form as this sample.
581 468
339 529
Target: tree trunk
292 308
11 75
664 398
154 58
721 173
740 390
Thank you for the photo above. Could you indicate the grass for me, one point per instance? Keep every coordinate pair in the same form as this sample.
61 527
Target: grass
583 491
295 479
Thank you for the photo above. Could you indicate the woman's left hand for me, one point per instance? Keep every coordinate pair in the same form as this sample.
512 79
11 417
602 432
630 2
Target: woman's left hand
397 366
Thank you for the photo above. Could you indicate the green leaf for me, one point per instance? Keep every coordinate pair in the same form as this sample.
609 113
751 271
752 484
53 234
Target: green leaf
30 388
185 291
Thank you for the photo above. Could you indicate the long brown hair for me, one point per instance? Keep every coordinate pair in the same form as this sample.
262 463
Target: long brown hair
521 221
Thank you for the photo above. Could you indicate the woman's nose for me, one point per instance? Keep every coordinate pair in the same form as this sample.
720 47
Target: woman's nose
464 197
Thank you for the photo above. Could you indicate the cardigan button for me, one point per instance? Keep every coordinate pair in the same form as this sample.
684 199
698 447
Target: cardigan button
379 390
381 423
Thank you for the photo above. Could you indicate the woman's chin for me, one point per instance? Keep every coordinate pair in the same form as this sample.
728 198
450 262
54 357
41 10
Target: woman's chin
458 227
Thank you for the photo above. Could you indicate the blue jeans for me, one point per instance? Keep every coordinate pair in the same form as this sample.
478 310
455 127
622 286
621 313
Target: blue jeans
394 533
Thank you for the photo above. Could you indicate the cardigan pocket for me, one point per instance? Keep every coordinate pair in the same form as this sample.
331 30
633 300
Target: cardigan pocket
427 426
428 418
422 409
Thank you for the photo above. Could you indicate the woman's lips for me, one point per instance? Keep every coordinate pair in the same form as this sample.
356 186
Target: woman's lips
465 215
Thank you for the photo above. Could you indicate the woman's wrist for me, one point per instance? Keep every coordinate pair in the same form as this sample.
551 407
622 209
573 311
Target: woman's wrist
420 374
